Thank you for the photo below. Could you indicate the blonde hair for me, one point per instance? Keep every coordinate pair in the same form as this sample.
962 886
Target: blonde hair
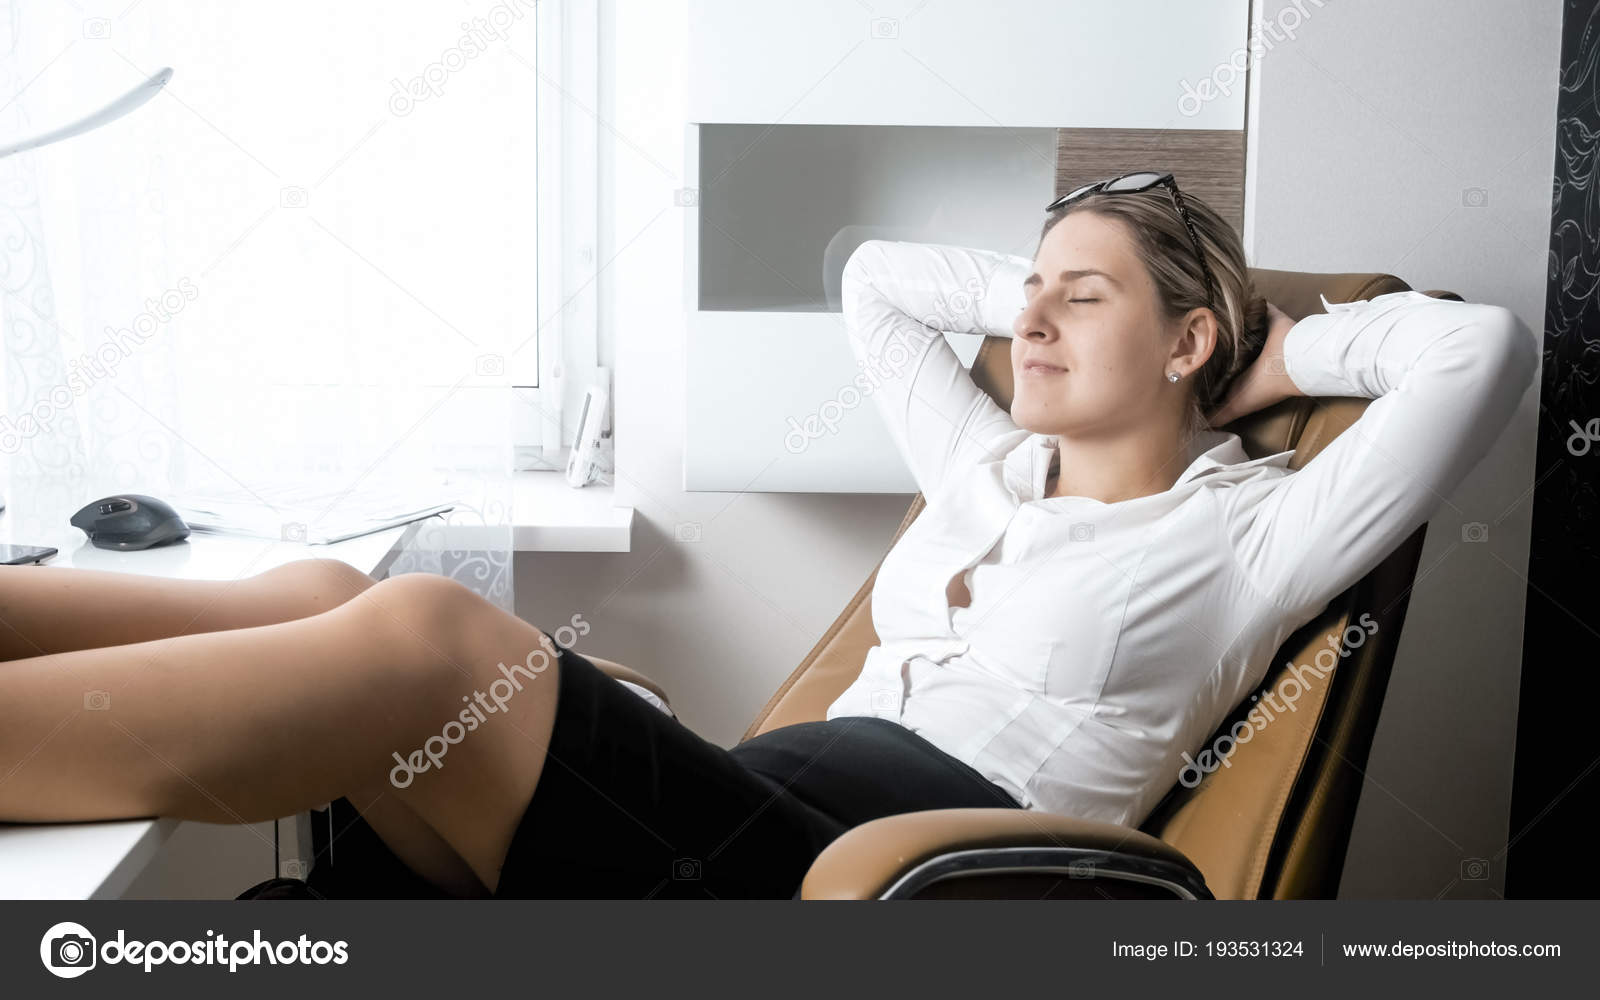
1162 245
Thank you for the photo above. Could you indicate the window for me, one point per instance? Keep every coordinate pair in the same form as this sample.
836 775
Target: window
552 364
330 242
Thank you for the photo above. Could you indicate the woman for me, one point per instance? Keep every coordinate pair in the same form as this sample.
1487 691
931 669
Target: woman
1096 581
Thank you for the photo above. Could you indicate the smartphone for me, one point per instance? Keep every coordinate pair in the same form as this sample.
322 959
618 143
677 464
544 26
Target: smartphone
17 555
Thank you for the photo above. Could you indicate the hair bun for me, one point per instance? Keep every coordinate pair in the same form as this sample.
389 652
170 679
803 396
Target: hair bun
1252 338
1257 321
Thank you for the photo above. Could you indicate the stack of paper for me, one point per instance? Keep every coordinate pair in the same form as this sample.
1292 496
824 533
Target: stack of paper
312 512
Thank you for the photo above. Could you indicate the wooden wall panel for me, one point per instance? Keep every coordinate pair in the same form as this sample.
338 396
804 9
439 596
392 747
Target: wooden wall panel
1207 163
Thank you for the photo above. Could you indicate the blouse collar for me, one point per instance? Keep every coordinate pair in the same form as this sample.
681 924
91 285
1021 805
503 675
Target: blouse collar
1216 456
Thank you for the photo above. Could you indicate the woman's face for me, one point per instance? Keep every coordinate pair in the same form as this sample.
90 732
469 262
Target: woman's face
1090 349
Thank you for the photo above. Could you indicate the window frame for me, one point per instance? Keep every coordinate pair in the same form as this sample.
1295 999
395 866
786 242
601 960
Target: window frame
551 369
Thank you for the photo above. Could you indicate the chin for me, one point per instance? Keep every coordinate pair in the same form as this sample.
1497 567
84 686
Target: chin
1025 417
1055 422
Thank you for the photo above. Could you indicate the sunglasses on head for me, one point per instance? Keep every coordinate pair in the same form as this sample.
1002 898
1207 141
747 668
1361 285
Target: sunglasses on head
1144 180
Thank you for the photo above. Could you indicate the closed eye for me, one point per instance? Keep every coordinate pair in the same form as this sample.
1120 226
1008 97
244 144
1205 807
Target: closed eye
1083 300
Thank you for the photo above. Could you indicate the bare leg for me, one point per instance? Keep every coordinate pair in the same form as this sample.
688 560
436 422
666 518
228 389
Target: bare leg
55 609
260 722
50 609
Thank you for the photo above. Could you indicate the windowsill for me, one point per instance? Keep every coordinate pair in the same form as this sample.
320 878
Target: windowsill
550 516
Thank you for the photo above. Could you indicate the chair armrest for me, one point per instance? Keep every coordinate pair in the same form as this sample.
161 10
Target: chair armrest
900 856
630 675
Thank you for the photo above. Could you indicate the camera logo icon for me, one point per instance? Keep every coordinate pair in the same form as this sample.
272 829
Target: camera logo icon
883 28
686 869
1474 531
1081 531
1474 197
67 950
1082 869
97 28
293 196
686 197
491 365
294 531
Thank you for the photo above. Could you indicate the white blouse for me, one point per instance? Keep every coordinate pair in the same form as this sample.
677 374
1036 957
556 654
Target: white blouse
1104 643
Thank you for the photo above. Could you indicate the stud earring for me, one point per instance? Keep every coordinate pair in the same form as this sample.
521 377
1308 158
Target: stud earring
1173 376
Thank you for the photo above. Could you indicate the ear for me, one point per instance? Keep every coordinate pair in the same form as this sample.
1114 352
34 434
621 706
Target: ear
1197 338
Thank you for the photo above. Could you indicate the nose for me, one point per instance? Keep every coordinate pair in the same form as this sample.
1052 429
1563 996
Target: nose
1031 323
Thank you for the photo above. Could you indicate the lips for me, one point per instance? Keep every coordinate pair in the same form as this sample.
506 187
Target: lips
1041 368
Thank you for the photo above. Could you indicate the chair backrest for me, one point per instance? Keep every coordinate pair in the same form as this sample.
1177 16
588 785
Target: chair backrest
1275 822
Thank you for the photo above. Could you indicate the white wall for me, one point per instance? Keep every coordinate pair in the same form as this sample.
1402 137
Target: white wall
1376 128
1365 141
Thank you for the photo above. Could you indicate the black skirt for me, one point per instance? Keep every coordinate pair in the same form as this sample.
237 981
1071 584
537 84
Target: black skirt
632 804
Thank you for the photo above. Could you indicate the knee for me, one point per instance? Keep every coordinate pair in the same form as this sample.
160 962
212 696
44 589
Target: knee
432 611
321 583
422 593
421 624
446 635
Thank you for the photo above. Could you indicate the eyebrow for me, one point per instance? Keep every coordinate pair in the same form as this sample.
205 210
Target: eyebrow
1033 280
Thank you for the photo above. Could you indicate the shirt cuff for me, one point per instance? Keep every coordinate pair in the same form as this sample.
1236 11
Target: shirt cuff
1298 361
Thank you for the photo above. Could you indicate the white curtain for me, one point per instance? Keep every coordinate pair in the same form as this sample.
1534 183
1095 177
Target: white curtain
304 262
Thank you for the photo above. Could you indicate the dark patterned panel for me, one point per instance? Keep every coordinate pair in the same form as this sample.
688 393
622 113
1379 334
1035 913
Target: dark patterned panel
1557 781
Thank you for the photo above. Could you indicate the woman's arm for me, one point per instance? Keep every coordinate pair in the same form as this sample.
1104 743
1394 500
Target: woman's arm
1263 383
1444 377
897 297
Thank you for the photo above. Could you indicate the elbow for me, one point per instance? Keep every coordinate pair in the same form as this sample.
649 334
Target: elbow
864 261
1529 356
1512 349
1500 358
860 285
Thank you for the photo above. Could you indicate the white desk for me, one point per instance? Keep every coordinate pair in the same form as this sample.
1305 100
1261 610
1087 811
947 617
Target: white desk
100 860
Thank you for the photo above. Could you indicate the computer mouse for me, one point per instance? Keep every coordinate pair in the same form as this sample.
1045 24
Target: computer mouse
130 521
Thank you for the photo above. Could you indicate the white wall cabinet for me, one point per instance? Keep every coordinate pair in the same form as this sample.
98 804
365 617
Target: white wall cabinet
816 129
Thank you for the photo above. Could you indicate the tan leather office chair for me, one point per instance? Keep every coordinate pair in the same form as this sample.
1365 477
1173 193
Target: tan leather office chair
1274 824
